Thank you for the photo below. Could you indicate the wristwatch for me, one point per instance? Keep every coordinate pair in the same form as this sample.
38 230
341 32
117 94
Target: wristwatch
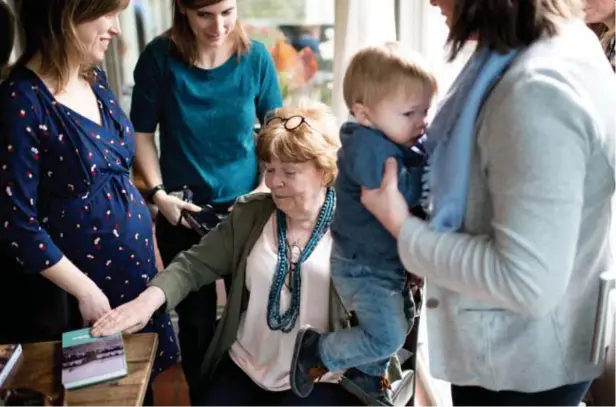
150 194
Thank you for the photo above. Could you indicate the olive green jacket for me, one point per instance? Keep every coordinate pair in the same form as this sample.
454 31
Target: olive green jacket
223 252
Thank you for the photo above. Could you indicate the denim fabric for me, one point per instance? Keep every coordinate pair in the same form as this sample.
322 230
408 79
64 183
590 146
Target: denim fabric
361 160
383 313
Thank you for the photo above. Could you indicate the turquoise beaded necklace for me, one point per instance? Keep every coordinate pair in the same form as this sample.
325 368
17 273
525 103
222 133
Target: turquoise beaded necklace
285 321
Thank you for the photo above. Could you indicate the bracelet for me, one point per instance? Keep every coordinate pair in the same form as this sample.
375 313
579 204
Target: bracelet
150 194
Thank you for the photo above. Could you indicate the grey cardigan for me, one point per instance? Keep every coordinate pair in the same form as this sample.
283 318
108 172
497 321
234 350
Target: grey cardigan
511 299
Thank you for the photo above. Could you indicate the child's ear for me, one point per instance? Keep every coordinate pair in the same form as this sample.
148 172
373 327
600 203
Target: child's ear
361 113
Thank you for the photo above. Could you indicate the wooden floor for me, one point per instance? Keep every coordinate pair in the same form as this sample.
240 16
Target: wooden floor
170 388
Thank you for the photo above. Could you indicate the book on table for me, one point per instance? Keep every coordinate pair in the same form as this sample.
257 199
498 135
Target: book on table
88 360
10 355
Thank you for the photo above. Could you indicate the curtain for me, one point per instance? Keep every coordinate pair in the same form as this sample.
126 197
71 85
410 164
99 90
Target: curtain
423 29
358 23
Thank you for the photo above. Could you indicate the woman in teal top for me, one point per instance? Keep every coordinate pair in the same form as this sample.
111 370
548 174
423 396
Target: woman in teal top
205 84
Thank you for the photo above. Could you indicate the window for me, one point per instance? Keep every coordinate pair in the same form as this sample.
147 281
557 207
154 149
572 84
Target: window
300 35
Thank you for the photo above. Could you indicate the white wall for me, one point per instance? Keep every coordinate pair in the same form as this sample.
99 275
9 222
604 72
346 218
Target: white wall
423 28
131 45
320 12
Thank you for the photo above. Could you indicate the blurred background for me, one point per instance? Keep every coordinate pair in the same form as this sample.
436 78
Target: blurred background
310 40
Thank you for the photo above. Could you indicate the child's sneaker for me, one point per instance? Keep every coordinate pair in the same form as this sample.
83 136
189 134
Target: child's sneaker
372 390
306 366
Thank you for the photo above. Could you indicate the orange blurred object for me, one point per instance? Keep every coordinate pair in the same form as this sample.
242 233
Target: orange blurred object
296 67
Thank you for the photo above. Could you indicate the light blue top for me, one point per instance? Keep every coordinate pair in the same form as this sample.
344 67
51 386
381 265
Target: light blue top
361 160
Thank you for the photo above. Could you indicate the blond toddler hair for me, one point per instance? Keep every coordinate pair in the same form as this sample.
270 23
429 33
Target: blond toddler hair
377 72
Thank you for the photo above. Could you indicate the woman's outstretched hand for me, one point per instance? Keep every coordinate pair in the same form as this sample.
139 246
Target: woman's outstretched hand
386 202
132 316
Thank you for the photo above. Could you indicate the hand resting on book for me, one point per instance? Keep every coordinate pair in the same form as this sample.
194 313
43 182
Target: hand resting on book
132 316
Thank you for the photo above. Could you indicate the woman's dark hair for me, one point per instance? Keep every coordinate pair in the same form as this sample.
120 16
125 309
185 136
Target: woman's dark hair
49 29
184 39
505 24
7 34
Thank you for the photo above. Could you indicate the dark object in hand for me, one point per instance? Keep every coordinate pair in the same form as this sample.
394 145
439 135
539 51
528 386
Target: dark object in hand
202 222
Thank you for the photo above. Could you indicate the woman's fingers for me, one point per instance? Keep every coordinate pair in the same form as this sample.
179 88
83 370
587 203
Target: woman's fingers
106 325
117 320
126 318
191 207
103 320
390 176
135 328
386 203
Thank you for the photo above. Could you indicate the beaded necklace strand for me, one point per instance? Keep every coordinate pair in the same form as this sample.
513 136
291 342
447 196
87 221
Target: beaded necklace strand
285 321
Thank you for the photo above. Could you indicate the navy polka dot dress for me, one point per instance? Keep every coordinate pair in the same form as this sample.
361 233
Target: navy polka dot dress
67 190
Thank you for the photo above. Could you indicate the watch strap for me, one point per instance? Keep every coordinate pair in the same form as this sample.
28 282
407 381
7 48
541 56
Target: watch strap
150 194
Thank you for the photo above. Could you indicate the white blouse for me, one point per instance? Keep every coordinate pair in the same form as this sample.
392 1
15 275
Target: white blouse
266 355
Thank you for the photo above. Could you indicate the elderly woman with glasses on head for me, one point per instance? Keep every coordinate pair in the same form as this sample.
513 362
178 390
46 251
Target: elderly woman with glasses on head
276 247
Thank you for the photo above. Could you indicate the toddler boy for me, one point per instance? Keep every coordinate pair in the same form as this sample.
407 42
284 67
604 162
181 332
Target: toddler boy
388 95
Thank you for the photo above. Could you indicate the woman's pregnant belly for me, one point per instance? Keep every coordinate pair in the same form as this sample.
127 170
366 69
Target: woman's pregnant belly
108 237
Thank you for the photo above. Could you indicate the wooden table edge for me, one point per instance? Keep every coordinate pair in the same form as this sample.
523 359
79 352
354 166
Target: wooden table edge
143 386
146 382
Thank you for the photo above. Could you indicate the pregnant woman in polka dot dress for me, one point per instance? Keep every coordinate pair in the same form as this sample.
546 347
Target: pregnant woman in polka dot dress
68 207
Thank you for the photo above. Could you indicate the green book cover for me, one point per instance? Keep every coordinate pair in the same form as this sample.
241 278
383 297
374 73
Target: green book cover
88 360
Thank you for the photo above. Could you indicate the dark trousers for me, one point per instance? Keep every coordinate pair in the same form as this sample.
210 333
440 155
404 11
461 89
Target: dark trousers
197 312
232 387
569 395
39 310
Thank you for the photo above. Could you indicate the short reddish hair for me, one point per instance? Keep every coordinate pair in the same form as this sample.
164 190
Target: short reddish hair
318 141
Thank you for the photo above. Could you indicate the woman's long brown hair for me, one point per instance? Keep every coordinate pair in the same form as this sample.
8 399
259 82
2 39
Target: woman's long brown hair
184 38
502 25
49 30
